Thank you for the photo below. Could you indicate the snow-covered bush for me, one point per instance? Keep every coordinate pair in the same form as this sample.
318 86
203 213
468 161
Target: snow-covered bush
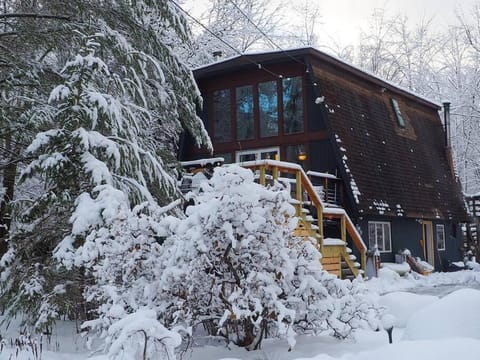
140 336
235 266
122 259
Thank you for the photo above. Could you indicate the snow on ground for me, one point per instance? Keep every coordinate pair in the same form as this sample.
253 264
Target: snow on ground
402 305
455 315
420 320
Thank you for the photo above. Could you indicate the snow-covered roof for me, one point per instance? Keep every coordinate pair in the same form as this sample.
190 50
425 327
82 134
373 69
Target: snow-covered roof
259 57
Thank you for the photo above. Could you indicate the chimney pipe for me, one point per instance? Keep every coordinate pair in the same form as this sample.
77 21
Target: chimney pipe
446 122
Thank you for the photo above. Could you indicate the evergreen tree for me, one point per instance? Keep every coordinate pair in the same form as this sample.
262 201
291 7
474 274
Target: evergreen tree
107 138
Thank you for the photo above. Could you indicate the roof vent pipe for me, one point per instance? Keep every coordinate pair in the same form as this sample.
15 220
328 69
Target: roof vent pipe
217 54
446 122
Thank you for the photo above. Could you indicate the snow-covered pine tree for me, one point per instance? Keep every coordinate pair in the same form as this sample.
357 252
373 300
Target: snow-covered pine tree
235 266
115 116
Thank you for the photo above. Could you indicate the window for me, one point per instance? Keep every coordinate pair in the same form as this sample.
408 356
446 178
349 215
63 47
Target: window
227 157
257 154
244 99
379 236
292 105
222 122
268 108
440 236
398 113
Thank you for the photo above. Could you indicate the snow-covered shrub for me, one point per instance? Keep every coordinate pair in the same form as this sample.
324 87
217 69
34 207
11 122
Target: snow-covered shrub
140 336
235 266
122 258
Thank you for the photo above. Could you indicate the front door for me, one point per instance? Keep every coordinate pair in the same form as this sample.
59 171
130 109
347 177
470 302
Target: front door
428 248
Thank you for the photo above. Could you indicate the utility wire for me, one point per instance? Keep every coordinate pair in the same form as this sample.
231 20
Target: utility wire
264 34
260 66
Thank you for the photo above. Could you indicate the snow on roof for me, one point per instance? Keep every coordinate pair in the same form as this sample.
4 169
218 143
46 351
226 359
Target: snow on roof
332 57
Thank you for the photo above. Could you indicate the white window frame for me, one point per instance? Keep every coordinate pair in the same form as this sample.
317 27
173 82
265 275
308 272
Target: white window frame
375 241
257 152
437 228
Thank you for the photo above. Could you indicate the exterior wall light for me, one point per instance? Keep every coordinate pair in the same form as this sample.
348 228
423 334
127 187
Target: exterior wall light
302 156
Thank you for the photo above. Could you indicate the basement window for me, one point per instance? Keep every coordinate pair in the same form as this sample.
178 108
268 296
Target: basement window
398 113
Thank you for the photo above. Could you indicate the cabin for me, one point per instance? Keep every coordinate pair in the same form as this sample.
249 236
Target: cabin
373 150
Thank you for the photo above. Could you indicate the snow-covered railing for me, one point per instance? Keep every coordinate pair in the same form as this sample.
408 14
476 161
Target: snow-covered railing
305 192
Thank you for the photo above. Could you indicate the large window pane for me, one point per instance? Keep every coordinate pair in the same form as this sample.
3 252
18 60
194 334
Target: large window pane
268 106
245 128
222 116
292 105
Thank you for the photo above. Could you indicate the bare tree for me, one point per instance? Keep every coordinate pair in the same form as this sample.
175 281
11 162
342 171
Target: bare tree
231 27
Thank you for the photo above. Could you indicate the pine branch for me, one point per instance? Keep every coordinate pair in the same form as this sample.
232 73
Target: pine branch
34 15
9 33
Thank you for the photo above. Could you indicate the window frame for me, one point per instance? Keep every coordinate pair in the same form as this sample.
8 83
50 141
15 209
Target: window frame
257 152
437 228
376 241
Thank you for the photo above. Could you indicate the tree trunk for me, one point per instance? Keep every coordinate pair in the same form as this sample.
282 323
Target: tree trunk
9 176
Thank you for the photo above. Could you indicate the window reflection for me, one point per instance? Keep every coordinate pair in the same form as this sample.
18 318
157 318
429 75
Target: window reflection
245 127
222 116
268 107
292 105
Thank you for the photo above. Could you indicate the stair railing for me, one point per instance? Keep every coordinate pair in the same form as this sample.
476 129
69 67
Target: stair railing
305 191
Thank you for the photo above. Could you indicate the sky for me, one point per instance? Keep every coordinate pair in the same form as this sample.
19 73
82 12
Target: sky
342 19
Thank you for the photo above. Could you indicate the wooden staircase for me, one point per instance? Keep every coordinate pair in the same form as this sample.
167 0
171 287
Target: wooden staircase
314 214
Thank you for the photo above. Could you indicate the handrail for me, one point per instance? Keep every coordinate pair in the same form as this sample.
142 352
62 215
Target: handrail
347 225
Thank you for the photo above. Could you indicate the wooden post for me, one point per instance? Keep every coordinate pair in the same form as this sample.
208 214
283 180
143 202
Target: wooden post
363 261
325 190
298 184
320 226
275 172
343 228
262 175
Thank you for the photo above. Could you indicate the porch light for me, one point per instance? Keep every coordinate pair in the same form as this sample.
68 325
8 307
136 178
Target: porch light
302 156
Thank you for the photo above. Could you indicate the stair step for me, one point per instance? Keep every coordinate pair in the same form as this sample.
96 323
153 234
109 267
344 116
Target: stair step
352 257
333 242
349 251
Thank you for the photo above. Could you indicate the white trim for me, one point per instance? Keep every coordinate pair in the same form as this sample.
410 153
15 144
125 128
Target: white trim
257 152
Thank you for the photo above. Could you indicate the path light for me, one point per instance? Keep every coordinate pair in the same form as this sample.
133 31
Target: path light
388 321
